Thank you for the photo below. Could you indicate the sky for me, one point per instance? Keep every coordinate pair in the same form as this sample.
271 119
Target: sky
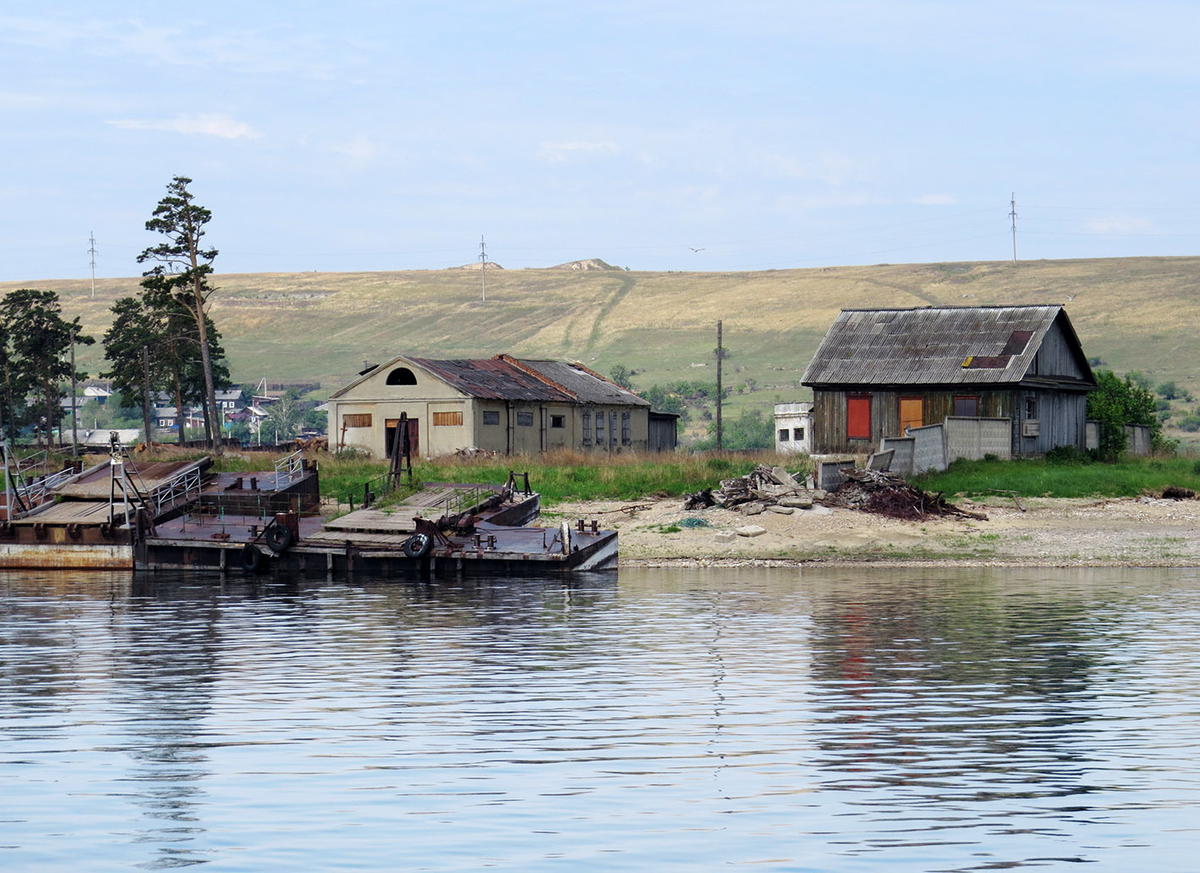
653 134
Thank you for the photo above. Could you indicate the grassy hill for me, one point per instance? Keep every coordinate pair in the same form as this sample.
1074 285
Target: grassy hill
1133 313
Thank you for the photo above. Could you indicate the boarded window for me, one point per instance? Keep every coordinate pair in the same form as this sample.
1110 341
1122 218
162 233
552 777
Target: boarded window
587 428
491 417
447 419
912 412
967 405
798 434
783 434
858 417
599 428
626 429
558 421
357 419
525 419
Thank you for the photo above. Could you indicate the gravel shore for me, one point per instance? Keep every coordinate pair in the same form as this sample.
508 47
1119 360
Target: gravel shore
1144 532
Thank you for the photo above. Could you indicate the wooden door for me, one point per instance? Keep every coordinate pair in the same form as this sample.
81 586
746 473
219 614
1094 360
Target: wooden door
858 417
912 412
414 445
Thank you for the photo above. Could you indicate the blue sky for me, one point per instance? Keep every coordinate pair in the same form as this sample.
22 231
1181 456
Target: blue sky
393 135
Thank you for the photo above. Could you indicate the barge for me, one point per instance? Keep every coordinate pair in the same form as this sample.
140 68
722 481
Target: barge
178 516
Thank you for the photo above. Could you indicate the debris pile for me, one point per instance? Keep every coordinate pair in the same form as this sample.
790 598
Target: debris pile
887 494
757 491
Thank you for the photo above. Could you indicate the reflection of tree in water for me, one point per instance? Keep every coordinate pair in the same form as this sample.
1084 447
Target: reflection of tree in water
950 689
164 665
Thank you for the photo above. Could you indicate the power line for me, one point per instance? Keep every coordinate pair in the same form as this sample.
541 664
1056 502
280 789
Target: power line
92 252
1013 215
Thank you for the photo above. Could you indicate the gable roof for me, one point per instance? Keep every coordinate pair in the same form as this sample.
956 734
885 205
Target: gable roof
951 345
492 379
581 383
507 378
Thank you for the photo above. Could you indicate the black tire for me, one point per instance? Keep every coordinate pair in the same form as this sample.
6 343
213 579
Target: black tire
418 545
279 538
252 558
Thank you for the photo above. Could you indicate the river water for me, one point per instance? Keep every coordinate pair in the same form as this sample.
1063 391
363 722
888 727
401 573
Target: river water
830 719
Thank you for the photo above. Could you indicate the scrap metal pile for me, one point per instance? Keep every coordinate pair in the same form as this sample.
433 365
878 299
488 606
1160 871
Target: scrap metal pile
885 493
874 491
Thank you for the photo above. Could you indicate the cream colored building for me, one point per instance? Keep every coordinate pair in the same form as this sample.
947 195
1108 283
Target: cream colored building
501 404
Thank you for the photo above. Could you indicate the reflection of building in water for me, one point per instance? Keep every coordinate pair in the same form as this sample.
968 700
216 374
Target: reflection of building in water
945 683
164 665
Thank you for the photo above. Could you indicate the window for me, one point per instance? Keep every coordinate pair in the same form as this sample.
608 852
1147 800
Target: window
798 434
783 434
1031 407
401 376
447 419
587 428
858 417
491 416
967 405
600 428
524 419
626 429
357 419
558 421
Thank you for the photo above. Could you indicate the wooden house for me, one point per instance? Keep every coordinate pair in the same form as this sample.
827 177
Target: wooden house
880 371
502 404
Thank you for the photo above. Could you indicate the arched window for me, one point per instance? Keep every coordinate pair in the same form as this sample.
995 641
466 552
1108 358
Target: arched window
401 376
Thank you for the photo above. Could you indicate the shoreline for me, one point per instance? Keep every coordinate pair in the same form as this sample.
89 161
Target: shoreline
1049 533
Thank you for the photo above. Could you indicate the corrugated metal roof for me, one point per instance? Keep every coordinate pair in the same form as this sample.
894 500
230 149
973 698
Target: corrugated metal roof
586 386
492 379
933 346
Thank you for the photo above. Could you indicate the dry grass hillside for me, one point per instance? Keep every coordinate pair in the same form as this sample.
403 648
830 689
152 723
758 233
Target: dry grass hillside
1134 313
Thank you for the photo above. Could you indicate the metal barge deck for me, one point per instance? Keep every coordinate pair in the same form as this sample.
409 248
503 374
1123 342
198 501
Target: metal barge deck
172 517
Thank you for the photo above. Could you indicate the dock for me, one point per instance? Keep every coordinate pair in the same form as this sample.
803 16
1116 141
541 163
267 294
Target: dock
160 516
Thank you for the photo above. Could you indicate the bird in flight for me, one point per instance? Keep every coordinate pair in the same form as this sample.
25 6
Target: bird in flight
693 248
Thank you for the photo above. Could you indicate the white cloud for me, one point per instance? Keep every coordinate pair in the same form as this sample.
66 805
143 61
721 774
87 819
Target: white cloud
1119 224
209 125
935 200
560 152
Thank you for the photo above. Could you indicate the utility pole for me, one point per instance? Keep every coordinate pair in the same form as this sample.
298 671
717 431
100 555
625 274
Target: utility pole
74 402
146 396
92 252
720 393
483 266
1013 215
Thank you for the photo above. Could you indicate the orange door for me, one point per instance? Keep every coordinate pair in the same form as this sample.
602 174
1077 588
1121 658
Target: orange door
912 412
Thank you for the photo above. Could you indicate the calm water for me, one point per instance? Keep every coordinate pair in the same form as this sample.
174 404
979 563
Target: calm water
918 720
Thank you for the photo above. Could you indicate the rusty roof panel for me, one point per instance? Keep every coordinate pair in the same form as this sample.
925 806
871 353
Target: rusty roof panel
931 346
586 386
492 379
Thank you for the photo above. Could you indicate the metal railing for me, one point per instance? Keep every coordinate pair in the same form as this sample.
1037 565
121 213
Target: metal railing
288 468
179 489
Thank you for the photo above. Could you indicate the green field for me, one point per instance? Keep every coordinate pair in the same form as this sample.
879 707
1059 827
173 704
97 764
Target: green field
1132 313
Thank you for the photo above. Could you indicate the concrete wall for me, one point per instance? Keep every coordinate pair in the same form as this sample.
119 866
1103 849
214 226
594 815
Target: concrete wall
903 449
973 438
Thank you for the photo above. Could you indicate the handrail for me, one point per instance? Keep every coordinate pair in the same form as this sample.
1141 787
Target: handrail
290 465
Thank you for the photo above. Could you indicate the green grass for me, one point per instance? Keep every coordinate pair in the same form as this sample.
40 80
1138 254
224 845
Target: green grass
1038 478
560 477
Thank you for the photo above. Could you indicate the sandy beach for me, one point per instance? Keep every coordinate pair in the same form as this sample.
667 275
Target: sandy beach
1097 532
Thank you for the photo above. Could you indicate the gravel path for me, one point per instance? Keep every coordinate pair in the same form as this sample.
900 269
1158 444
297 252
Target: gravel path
1051 532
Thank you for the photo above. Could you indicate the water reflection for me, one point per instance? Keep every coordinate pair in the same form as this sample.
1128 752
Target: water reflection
821 720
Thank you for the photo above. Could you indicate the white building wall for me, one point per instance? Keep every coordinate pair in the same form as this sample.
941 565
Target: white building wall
793 428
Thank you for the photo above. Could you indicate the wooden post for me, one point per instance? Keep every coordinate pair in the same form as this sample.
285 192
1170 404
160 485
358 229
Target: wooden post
720 393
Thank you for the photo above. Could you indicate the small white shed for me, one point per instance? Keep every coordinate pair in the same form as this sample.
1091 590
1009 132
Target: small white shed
793 428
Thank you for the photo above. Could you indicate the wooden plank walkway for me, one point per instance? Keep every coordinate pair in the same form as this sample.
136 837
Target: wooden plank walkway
429 503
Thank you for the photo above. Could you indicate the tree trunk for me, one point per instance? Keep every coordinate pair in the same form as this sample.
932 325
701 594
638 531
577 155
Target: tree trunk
179 416
146 395
206 361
